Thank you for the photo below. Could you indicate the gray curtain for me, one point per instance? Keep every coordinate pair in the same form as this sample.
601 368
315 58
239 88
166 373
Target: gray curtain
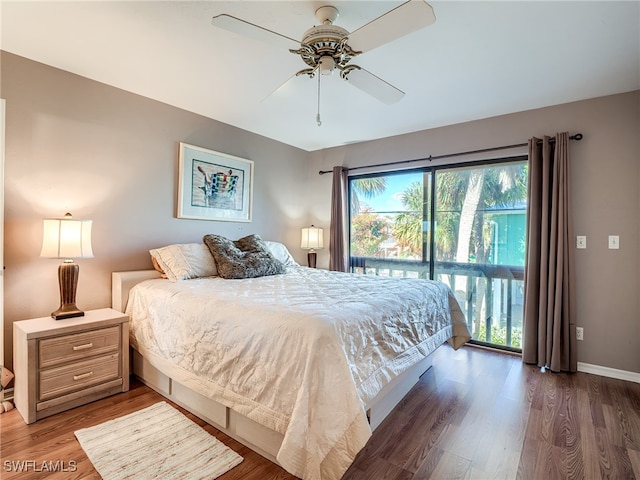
549 298
338 251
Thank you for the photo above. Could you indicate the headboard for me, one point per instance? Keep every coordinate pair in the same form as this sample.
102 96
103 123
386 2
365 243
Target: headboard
122 282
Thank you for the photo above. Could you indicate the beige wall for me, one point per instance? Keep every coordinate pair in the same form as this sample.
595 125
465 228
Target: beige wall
76 145
73 144
605 194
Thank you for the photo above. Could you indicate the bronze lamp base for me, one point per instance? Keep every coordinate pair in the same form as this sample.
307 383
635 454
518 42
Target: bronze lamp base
311 259
68 273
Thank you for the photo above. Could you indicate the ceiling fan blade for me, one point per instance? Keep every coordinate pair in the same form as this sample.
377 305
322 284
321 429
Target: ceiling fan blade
255 32
281 89
402 20
374 86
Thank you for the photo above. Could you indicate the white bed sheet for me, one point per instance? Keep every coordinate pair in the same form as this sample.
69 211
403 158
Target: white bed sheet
301 353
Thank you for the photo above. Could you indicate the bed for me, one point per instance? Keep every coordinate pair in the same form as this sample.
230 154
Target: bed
300 366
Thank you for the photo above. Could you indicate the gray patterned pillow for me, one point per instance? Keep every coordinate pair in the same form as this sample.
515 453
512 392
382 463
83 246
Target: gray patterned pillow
248 257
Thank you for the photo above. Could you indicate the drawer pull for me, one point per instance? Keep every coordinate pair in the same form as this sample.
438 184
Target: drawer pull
82 376
82 347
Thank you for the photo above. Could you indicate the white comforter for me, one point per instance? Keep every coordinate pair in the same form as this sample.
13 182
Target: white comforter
301 353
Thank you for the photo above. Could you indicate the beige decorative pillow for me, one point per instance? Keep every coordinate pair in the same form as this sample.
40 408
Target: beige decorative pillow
184 261
157 267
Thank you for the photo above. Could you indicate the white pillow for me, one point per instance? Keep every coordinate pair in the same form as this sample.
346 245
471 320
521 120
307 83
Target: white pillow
185 260
279 251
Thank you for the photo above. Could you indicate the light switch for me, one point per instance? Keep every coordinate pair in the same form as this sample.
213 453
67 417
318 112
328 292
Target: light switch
581 241
614 242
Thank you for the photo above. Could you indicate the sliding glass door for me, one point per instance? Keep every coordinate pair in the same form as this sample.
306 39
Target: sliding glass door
464 226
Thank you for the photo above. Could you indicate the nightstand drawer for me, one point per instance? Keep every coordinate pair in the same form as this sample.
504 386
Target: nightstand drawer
59 381
68 348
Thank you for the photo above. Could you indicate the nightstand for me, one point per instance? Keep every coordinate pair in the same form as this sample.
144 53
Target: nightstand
61 364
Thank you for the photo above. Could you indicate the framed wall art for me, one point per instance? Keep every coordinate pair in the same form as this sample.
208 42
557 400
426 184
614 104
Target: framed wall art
214 185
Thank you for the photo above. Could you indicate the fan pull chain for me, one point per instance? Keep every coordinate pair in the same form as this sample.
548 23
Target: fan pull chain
318 115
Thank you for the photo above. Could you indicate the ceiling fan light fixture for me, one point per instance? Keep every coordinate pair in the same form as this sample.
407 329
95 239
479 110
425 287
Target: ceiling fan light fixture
326 64
325 47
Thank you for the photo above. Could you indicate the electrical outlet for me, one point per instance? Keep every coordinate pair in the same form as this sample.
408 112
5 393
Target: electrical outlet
579 333
581 241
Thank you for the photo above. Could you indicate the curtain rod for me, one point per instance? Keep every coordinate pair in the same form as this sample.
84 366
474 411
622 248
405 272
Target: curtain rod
577 136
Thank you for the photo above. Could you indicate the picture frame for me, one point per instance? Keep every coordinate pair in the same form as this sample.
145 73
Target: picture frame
214 185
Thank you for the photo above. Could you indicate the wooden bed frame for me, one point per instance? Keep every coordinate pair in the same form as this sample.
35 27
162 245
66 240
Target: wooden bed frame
259 438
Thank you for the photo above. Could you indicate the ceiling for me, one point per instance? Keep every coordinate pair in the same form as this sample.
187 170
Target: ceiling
479 59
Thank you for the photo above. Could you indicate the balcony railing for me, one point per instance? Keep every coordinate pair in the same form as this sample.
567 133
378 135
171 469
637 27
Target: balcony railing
490 295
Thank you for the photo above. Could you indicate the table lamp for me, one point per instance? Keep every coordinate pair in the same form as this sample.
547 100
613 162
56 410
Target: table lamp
67 238
312 240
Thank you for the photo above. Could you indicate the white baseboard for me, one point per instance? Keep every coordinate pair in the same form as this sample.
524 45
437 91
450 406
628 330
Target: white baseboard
609 372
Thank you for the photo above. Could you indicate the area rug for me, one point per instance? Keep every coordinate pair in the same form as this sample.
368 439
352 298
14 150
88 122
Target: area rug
157 442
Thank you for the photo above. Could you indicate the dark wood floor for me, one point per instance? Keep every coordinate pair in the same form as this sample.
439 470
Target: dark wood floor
476 414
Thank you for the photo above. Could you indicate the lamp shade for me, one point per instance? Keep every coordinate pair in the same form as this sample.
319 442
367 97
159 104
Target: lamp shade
66 238
312 238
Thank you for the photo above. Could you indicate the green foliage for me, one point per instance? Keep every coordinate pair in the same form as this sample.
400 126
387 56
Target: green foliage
367 187
499 335
370 230
407 228
370 187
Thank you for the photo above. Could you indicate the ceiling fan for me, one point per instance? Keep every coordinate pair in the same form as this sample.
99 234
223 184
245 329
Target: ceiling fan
328 47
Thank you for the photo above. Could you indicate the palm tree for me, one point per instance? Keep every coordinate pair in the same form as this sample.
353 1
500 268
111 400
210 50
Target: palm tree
451 190
407 228
368 187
